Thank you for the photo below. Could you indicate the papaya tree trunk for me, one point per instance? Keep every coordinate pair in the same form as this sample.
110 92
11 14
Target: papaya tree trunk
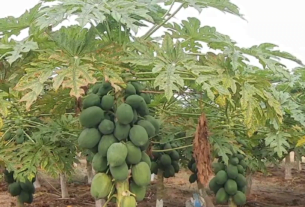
19 204
232 204
160 189
249 183
89 172
152 177
99 203
63 186
298 160
122 189
203 193
288 175
37 183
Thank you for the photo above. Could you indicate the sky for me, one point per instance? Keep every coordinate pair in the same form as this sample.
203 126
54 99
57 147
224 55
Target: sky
273 21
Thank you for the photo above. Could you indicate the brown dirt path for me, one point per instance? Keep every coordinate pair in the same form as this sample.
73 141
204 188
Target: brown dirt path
267 191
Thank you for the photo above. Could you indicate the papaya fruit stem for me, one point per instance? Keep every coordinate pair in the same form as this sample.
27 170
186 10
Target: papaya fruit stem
171 149
231 203
108 200
121 188
187 137
109 195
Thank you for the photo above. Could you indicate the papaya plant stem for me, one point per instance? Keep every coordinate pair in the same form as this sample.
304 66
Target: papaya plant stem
168 11
166 150
144 73
156 27
5 132
231 203
19 204
67 133
28 136
187 137
109 195
122 188
160 189
12 139
203 194
140 79
109 199
185 114
34 122
16 109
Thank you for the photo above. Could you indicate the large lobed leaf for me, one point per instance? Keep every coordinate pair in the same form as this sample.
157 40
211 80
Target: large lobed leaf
222 5
17 49
13 26
168 61
278 142
193 35
96 11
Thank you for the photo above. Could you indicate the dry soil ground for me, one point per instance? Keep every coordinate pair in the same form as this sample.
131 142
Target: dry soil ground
267 191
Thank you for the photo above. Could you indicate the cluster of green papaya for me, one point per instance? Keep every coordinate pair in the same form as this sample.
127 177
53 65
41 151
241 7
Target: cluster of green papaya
192 166
167 161
13 130
118 135
24 190
18 136
230 180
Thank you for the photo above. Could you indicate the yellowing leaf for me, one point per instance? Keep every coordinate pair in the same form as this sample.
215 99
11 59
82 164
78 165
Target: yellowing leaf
301 142
1 123
221 101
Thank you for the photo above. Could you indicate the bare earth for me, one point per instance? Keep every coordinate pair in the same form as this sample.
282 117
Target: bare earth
267 191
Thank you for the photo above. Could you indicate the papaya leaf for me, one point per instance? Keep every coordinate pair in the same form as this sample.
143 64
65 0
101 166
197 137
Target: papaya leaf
289 106
20 47
270 58
75 40
167 80
1 125
223 145
301 142
192 33
33 81
251 105
13 26
74 77
4 103
114 78
88 11
168 61
55 102
222 5
278 142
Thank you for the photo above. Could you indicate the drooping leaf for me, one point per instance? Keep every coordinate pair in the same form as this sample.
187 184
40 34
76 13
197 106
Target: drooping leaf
18 49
